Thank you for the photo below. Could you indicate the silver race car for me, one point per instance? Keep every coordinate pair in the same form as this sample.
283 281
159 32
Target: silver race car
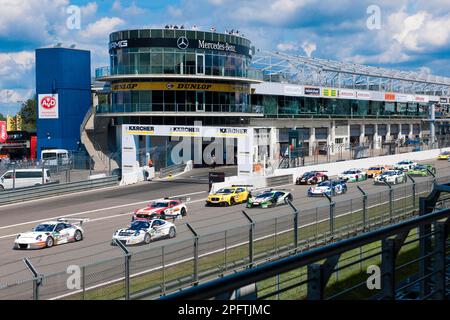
143 231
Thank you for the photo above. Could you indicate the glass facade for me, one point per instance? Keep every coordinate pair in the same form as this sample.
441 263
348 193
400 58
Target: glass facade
279 106
183 62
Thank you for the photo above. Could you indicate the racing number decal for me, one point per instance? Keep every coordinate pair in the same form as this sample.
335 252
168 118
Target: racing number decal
338 188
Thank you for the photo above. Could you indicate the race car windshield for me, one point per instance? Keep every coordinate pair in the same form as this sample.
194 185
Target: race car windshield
139 225
420 168
375 168
350 172
308 174
158 205
44 228
264 195
325 184
225 191
404 162
389 173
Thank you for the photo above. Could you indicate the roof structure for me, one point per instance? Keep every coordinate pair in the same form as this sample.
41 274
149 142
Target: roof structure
296 69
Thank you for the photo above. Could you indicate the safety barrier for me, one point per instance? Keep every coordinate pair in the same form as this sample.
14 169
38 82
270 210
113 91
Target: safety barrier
49 190
279 180
172 170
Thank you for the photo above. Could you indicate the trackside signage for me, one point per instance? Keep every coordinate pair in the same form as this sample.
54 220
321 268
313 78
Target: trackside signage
48 106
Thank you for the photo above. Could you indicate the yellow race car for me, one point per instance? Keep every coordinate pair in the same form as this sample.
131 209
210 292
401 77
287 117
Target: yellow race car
228 196
444 155
375 171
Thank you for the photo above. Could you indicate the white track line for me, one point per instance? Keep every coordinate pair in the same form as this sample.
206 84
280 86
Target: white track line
94 211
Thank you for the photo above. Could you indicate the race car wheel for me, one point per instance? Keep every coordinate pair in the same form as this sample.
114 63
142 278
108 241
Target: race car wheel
147 238
49 243
232 202
172 233
183 212
78 236
325 178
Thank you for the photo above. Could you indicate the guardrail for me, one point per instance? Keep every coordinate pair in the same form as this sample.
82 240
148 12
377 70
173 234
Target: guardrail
172 170
385 273
52 189
279 180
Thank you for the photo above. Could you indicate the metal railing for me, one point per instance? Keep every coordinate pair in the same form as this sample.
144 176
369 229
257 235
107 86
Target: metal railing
54 189
172 170
412 262
197 256
178 107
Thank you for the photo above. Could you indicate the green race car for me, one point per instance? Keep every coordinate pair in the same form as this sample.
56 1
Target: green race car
269 198
421 170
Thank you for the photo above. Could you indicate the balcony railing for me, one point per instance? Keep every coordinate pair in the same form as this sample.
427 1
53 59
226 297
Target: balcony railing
102 72
167 107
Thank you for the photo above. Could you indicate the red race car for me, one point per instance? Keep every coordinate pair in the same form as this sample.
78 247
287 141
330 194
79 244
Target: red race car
162 209
312 177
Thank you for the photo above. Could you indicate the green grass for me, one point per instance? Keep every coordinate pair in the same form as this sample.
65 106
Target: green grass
231 258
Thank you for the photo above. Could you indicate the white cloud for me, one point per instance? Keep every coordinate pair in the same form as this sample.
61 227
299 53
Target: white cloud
133 9
174 11
14 65
11 96
101 29
289 46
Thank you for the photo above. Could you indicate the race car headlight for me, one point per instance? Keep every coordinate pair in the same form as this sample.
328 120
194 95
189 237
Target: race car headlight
137 233
39 237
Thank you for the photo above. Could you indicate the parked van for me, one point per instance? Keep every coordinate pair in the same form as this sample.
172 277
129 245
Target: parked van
24 178
55 157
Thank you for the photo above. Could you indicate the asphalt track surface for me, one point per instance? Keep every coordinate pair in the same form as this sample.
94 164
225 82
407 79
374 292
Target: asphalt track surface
110 209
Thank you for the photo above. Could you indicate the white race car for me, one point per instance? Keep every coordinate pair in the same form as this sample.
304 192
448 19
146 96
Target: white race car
391 177
143 231
353 175
405 165
48 234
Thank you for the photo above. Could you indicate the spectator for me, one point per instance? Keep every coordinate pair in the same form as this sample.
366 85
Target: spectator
194 27
182 27
150 162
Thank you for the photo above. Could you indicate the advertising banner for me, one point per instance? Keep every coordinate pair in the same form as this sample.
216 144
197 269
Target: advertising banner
177 86
293 90
326 92
363 95
3 132
311 91
402 97
443 100
48 106
347 94
389 96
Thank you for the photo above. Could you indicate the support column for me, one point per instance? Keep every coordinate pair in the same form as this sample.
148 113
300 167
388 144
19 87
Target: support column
332 138
411 133
312 140
388 132
376 143
362 134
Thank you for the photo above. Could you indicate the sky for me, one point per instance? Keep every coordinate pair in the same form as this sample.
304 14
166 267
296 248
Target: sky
401 34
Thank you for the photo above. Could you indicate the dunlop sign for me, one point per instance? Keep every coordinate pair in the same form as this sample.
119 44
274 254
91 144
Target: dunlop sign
180 86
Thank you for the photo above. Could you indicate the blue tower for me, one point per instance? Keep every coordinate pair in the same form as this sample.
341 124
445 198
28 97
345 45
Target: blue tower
63 93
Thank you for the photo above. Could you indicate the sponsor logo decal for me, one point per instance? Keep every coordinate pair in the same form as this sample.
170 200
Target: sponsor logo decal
182 43
118 44
310 91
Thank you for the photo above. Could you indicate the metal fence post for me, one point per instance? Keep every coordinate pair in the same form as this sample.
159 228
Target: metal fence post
414 191
195 253
163 264
364 207
332 211
391 201
425 247
37 278
388 269
250 239
83 281
433 175
440 260
296 212
127 267
14 177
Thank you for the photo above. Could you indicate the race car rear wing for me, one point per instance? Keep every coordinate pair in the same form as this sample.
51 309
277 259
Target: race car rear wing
79 221
248 186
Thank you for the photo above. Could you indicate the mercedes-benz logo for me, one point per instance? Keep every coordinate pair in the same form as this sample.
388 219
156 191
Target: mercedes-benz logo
183 43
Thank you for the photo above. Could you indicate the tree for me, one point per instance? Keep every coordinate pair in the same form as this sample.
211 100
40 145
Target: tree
28 113
2 117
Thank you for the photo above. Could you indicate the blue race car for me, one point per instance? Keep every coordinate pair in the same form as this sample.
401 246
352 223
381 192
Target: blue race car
330 188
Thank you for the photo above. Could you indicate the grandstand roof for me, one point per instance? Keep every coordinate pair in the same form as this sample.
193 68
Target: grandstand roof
280 67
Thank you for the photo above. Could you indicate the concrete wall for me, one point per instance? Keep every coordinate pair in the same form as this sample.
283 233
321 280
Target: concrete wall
337 167
333 168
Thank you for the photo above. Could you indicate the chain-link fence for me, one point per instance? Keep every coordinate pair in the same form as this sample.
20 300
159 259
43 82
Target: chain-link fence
165 267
